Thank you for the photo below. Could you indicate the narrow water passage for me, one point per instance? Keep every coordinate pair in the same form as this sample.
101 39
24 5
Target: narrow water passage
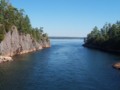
67 65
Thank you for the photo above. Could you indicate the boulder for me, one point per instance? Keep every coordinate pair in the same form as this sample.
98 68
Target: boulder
5 59
116 65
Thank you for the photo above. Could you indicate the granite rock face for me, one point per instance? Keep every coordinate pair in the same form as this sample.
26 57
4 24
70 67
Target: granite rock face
15 43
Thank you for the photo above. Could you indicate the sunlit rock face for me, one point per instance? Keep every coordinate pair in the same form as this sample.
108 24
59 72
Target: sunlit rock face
16 43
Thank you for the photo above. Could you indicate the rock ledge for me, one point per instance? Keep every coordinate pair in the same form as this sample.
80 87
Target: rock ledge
5 59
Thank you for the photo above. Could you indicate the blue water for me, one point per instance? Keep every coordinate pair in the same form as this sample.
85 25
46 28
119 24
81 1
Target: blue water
67 65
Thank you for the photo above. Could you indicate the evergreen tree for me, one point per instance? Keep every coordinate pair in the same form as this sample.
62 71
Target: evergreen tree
9 16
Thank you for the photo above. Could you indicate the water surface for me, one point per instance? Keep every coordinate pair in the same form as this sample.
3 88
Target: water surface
65 66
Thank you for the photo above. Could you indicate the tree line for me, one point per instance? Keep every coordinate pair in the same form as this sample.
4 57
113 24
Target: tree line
107 37
10 15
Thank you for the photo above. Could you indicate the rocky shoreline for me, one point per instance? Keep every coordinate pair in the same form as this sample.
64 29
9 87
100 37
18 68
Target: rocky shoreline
5 59
9 58
15 43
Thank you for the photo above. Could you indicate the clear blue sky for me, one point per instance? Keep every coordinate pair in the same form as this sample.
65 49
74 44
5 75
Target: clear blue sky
69 17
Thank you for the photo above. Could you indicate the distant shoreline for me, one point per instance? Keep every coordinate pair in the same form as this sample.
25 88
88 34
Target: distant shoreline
66 37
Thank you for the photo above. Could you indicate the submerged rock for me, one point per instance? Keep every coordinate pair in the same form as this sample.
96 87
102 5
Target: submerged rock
116 65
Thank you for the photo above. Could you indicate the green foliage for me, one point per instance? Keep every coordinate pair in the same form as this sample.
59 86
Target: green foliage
1 37
10 16
2 32
37 33
107 37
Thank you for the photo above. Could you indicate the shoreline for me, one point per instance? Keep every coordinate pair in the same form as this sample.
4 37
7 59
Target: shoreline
8 58
5 59
113 51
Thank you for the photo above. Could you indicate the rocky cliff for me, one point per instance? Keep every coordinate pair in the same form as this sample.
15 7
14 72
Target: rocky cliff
15 43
